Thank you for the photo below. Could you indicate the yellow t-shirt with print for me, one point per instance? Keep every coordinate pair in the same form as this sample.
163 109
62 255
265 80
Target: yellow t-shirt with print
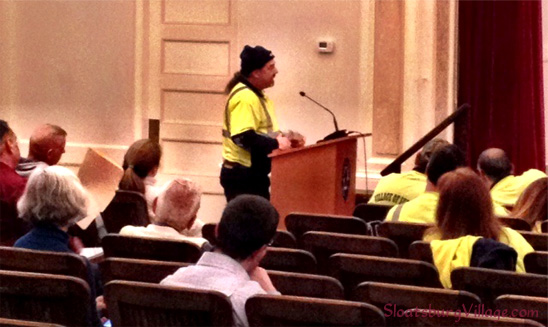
507 191
245 111
395 188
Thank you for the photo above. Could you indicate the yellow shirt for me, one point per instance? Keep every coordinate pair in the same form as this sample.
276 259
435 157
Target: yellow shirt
396 188
451 254
421 210
245 112
507 191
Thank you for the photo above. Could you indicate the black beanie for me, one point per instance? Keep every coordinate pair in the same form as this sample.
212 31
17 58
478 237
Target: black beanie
254 58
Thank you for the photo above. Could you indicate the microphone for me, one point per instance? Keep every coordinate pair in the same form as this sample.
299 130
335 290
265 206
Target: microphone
338 133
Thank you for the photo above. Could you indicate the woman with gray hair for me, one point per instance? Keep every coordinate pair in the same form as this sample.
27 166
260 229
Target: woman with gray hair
175 210
53 201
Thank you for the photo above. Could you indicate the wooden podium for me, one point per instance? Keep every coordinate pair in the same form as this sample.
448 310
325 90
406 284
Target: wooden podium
319 178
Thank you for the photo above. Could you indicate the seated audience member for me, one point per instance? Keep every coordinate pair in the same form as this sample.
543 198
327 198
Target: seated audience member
46 146
247 226
532 205
422 209
496 171
175 212
464 215
141 163
54 200
396 188
11 187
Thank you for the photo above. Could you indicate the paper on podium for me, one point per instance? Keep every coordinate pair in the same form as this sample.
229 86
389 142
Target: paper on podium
100 176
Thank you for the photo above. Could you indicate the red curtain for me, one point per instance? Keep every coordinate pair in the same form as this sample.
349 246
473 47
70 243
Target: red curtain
500 76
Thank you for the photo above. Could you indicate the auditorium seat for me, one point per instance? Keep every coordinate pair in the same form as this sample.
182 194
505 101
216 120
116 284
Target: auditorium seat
402 233
147 304
47 262
115 245
324 244
283 310
488 284
126 208
393 297
137 270
353 269
298 284
283 239
57 299
5 322
536 262
420 317
293 260
515 223
530 307
371 212
421 250
300 223
538 241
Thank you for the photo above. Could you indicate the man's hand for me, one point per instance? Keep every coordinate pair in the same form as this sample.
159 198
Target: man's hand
283 142
260 276
297 139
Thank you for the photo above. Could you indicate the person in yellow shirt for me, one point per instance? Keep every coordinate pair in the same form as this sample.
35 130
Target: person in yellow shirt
422 209
250 128
397 188
496 171
463 215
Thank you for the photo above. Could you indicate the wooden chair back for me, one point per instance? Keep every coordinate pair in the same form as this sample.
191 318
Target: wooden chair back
371 212
126 208
47 262
538 241
57 299
293 260
147 305
137 270
283 310
115 245
420 317
353 269
527 307
5 322
324 244
536 262
488 284
402 233
308 285
421 250
282 239
300 223
395 297
515 223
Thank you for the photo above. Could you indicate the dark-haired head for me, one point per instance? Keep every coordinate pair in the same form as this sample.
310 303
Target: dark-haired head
142 159
444 160
422 159
248 223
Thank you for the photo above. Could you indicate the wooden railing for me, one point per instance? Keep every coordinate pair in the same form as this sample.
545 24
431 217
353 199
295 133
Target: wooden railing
395 166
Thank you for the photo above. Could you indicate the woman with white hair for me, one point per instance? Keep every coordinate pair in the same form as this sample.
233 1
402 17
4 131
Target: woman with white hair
175 210
53 201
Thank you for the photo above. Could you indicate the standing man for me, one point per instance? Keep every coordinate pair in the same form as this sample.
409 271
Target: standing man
250 129
46 146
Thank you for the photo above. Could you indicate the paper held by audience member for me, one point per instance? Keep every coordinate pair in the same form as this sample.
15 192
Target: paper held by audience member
100 176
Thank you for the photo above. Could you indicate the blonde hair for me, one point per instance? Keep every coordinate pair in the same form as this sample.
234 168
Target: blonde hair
533 202
53 195
178 204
